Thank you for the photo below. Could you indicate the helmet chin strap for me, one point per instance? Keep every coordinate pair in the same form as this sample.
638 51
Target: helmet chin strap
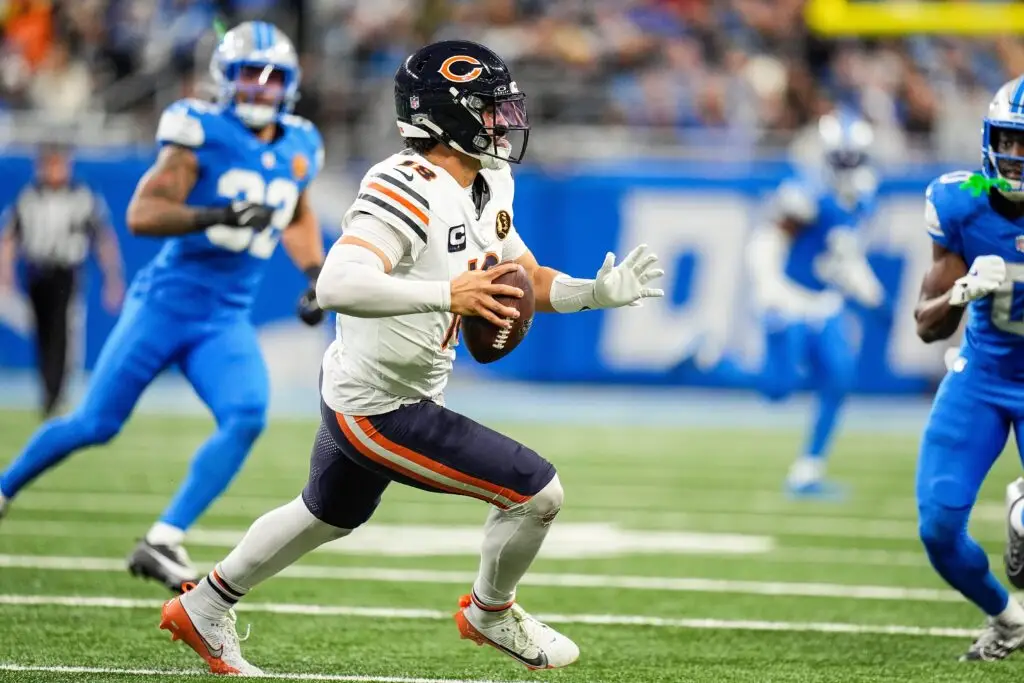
488 161
1016 196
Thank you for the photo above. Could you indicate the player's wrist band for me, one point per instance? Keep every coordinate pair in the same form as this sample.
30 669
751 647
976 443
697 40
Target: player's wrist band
571 295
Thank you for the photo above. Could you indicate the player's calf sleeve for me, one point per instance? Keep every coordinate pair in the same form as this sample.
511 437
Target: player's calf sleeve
273 542
213 467
512 539
958 559
52 443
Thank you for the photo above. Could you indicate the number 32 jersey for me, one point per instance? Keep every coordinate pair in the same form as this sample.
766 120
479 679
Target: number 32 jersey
376 365
218 271
965 223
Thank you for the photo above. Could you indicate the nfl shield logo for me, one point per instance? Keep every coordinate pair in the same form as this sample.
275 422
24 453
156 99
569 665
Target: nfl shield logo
1019 243
414 102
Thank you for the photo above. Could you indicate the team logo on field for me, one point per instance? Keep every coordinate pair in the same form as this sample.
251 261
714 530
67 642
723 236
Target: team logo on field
470 74
502 224
300 166
1019 243
269 160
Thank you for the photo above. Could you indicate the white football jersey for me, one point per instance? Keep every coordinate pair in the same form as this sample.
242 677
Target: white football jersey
376 365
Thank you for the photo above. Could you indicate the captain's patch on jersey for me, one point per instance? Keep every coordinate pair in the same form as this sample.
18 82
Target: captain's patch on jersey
502 224
457 238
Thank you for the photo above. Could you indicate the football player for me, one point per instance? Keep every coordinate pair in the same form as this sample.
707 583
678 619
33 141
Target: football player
429 231
976 219
229 183
805 262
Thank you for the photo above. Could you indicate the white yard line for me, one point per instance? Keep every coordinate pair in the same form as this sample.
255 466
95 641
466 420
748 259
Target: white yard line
174 673
660 583
434 615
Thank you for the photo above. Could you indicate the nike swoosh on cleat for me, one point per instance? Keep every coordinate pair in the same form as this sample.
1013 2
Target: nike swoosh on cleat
538 662
168 565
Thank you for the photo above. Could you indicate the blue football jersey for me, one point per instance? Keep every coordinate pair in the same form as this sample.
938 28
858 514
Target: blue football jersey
820 211
220 269
967 225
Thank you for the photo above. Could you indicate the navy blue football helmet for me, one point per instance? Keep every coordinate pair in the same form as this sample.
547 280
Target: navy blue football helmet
461 94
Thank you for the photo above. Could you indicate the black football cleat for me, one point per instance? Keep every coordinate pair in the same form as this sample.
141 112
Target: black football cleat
163 564
1013 556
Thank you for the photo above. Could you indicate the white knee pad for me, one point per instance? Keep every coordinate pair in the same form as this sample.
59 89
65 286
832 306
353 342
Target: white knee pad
547 502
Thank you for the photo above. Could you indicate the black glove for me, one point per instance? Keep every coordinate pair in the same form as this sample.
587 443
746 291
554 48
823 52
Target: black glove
237 214
309 311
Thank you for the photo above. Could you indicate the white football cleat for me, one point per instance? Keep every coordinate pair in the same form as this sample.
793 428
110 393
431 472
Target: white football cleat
997 641
517 634
215 640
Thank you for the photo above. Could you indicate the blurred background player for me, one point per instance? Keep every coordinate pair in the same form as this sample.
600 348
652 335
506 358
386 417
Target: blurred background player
403 272
229 183
982 395
804 263
51 228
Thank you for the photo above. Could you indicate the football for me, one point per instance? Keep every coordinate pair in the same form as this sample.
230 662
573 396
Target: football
487 342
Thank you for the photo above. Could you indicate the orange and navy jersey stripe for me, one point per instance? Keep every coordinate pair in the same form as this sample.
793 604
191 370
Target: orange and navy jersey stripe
364 436
394 200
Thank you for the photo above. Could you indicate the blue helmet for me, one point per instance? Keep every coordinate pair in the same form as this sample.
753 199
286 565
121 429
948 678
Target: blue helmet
846 141
1005 120
271 58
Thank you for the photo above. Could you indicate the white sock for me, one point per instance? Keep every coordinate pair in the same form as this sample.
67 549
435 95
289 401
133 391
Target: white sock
512 539
1012 615
1017 516
273 542
806 470
165 534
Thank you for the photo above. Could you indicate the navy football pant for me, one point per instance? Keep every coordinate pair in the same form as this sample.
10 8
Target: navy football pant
422 445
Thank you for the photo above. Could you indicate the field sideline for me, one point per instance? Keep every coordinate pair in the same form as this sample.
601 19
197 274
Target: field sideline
677 558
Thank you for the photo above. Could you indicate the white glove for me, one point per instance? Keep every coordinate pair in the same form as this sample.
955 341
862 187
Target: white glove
845 267
623 285
987 273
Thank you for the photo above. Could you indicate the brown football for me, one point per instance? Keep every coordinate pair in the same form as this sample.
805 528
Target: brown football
487 342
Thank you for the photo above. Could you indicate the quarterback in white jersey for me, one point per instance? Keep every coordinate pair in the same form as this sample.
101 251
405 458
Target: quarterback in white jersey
381 363
422 245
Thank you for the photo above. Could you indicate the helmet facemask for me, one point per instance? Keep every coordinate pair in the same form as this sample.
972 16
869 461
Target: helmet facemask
258 92
505 129
1003 158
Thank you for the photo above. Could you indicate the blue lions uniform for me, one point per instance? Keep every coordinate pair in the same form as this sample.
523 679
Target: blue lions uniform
189 307
808 337
982 395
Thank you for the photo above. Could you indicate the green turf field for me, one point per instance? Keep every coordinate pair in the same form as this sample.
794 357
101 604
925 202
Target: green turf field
753 588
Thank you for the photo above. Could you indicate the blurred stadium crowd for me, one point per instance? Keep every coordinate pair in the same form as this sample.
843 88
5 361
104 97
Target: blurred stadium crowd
668 75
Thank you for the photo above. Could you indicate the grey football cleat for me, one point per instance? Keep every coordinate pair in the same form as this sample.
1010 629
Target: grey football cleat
163 564
996 642
5 503
1013 556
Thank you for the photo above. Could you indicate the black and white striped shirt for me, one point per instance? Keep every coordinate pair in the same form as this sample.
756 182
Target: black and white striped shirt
56 226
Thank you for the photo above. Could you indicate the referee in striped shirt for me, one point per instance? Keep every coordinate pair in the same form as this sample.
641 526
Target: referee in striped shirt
52 226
